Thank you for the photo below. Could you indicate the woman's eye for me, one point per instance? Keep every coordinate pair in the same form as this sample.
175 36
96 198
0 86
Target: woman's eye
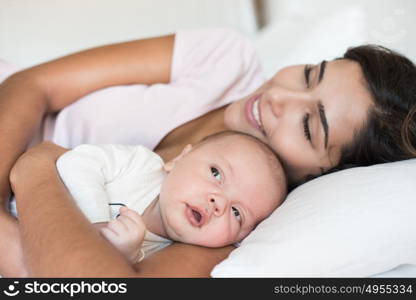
306 130
236 214
216 173
307 72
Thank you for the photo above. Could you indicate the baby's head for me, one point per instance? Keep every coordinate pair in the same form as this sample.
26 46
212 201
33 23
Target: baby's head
217 191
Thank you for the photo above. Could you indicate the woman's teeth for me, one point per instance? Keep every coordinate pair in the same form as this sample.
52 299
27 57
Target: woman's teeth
256 113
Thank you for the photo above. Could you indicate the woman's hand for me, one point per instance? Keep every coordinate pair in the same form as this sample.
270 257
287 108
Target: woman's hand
37 159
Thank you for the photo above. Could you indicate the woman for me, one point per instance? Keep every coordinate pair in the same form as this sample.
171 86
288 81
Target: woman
357 110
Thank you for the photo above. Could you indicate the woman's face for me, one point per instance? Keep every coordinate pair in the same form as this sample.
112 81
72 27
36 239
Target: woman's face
306 113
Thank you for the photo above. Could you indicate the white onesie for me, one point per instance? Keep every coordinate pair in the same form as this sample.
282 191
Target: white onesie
101 178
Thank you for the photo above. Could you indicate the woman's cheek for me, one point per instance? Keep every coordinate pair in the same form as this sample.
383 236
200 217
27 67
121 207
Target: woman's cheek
232 115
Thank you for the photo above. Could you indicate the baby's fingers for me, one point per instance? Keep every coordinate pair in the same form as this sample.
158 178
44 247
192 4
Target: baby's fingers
117 225
132 228
110 235
130 216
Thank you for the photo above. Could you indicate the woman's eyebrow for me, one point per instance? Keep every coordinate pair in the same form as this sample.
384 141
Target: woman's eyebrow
321 71
321 107
324 122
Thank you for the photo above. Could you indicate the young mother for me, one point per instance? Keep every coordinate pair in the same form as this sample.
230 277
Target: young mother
181 88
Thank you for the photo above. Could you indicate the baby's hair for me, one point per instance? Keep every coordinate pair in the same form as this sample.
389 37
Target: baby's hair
265 148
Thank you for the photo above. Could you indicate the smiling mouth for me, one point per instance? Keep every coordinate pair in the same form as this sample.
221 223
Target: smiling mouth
253 113
257 116
256 113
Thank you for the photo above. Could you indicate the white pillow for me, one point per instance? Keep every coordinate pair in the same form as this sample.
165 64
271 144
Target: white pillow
353 223
304 32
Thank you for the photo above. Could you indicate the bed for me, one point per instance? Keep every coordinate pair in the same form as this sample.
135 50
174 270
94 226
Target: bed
346 224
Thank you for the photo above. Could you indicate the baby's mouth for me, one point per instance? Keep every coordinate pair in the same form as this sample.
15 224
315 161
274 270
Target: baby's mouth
197 215
194 215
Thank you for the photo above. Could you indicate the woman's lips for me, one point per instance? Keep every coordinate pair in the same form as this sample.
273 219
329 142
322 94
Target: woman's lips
195 215
251 119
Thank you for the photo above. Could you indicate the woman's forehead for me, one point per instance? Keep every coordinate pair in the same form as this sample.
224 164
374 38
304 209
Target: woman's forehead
347 100
344 92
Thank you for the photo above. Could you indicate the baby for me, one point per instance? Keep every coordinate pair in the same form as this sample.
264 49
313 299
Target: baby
213 194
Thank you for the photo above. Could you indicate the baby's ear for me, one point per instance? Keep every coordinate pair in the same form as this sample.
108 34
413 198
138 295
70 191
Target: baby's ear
168 166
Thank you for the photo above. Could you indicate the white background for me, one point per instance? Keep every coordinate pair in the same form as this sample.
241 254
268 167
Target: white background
295 31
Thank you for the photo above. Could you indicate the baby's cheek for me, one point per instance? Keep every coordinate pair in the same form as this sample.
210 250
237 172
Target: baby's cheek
218 237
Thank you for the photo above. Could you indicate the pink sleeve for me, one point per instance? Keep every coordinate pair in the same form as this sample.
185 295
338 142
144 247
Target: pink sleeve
220 61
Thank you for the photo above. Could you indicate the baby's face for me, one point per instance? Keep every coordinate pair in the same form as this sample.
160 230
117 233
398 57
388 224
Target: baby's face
216 193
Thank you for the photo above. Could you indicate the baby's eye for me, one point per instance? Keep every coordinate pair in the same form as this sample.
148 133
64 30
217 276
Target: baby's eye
236 214
216 173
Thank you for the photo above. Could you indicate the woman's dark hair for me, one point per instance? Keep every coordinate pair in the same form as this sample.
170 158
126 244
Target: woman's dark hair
389 133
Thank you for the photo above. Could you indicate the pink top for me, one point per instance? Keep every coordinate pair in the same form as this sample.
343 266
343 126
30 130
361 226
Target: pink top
210 68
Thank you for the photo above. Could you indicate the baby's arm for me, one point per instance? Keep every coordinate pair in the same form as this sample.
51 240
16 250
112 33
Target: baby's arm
84 171
126 233
87 169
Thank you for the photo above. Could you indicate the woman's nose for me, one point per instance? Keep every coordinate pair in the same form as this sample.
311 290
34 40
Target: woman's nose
281 99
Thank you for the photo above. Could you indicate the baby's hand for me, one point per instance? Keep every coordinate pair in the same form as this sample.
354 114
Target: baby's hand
126 233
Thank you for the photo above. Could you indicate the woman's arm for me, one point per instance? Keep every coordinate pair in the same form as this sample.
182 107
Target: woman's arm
27 96
59 241
182 260
21 113
67 79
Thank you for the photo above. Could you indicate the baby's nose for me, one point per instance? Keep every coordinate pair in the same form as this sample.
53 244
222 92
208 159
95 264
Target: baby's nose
217 206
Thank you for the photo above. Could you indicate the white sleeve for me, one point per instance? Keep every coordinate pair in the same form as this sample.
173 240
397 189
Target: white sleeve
86 169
